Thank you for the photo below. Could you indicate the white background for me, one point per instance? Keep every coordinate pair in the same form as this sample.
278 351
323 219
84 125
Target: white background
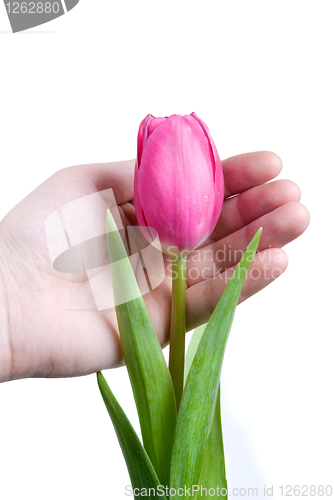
260 74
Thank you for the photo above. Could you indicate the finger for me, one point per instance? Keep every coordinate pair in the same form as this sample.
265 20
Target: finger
119 176
241 210
280 227
129 213
241 172
203 297
247 170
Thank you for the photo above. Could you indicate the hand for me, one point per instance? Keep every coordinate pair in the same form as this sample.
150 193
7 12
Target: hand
40 338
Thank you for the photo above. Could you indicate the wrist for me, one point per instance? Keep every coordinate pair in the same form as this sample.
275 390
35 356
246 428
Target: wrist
5 336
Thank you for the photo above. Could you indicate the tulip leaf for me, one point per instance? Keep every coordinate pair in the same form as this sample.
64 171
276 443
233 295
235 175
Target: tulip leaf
213 465
192 348
141 471
198 403
148 372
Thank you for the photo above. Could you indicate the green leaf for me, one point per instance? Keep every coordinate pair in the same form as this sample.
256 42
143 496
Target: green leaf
213 465
192 349
141 471
150 378
200 394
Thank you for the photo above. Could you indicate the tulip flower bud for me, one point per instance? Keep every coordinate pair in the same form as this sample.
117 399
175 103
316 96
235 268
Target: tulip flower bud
179 186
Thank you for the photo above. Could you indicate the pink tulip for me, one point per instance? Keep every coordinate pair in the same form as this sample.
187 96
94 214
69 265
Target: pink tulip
179 185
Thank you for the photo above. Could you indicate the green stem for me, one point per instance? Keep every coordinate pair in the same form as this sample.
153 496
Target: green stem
178 327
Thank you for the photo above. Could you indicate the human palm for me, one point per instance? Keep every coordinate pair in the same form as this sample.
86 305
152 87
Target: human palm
42 337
